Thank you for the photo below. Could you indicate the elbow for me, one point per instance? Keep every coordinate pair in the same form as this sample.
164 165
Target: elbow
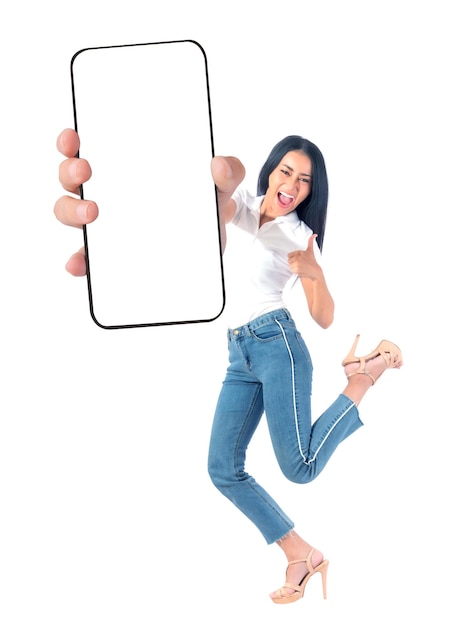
324 319
326 323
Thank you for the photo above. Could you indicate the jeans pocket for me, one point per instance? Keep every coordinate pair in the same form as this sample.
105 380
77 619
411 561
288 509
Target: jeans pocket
273 330
267 332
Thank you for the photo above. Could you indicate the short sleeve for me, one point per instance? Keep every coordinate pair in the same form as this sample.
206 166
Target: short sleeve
246 214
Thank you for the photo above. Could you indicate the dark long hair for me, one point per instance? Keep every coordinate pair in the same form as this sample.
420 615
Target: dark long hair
313 209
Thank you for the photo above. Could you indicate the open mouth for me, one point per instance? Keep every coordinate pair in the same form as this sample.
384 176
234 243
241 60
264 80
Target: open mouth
285 200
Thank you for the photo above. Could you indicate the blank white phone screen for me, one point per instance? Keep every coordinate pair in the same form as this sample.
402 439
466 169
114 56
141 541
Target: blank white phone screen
143 115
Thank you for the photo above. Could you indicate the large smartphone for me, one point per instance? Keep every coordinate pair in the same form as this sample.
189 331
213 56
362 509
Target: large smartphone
143 115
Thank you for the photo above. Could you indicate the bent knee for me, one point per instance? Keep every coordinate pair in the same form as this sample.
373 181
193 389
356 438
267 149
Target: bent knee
219 472
223 474
300 474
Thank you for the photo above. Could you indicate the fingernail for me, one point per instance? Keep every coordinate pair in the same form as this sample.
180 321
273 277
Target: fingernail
82 210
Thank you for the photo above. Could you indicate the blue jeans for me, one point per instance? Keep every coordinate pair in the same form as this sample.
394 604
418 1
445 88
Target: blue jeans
270 371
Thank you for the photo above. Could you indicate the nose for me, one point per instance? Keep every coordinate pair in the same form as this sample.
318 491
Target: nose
293 187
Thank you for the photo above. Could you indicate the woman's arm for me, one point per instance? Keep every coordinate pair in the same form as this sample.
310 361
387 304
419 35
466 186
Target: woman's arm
228 173
320 303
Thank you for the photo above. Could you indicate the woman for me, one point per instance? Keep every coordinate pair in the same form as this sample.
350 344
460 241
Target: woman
270 371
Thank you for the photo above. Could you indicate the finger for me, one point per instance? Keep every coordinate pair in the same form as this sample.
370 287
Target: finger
74 172
294 266
68 142
73 212
76 265
293 255
311 241
228 173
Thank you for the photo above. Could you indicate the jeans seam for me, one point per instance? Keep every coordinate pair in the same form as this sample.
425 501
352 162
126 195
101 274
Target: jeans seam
330 430
294 397
236 449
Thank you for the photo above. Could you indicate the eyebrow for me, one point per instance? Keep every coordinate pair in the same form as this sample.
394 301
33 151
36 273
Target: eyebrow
292 169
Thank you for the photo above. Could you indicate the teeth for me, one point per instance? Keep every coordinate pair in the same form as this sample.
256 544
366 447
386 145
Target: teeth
286 195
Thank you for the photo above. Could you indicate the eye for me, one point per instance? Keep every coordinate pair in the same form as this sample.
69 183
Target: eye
286 172
305 180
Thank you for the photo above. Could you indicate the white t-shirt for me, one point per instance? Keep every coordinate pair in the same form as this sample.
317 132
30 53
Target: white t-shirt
262 271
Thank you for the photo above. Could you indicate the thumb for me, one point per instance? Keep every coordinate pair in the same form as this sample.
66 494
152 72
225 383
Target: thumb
227 172
311 242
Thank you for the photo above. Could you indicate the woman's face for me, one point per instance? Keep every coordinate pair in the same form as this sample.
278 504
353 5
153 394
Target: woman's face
288 184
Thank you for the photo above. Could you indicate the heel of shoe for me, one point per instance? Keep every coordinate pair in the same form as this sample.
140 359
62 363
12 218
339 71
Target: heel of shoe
350 357
323 569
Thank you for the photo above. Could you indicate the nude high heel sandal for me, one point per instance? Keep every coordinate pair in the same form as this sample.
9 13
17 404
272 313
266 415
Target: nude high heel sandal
299 590
390 352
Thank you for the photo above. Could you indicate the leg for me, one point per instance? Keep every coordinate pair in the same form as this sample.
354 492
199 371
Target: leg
302 448
239 410
285 369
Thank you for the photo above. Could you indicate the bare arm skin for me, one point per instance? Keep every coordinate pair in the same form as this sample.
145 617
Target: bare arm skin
228 173
319 300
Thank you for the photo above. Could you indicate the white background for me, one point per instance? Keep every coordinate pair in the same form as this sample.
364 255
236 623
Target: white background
107 513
